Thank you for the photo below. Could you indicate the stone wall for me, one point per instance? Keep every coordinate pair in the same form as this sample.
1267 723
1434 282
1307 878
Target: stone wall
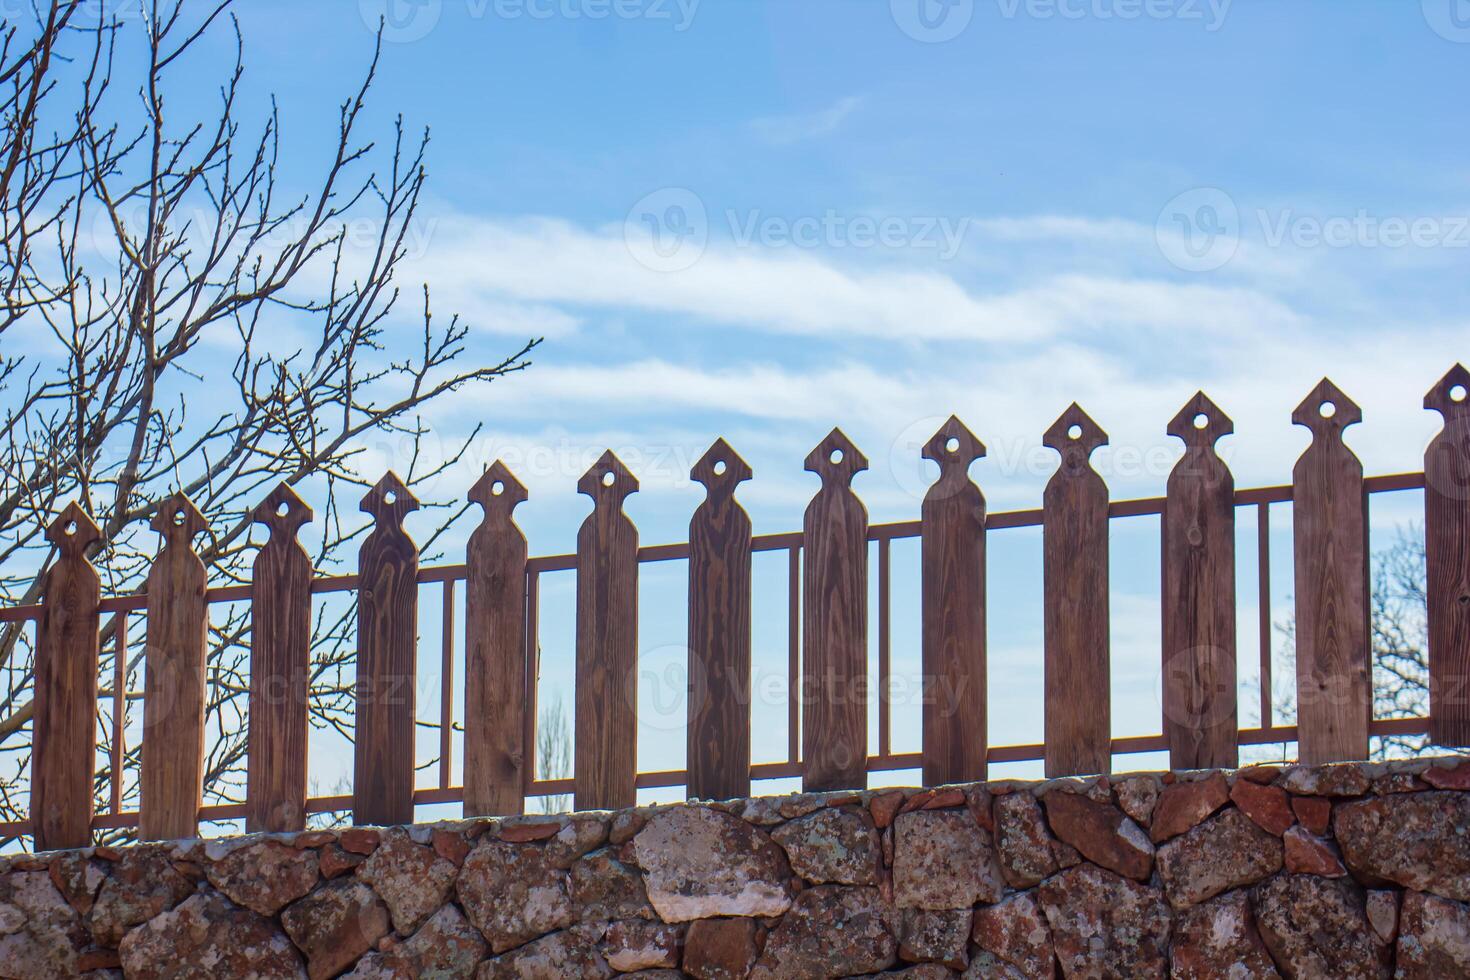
1343 871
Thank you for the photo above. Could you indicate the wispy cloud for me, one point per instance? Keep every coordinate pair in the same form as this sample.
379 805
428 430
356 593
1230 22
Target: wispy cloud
783 130
533 266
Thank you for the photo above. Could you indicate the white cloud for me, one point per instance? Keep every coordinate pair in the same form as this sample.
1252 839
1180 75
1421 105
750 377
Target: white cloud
491 266
796 127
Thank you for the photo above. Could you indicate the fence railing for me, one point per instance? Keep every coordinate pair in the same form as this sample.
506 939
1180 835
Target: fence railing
827 640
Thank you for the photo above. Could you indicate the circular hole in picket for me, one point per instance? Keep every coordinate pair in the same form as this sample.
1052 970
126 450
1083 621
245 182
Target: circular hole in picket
609 478
1074 431
720 467
1327 410
497 488
1201 420
952 445
836 456
1457 393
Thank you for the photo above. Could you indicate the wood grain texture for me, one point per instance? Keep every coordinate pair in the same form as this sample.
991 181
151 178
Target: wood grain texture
280 652
953 570
173 686
387 669
1330 532
1447 560
719 631
495 752
63 757
835 622
1198 572
1075 574
606 763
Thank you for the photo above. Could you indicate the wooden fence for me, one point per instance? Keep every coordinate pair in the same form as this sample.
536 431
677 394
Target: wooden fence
828 632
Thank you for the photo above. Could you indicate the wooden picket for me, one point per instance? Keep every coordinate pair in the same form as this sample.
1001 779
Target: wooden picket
280 652
1198 605
67 652
495 753
719 631
952 561
1075 573
174 684
387 639
827 632
834 721
1447 559
1330 535
606 749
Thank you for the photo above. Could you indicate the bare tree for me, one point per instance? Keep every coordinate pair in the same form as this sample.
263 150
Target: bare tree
553 753
177 318
1399 632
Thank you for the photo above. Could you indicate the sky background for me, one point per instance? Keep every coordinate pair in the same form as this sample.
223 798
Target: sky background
759 220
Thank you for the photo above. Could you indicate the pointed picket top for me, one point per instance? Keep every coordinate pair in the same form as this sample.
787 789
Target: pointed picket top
1075 449
283 512
1341 411
1200 423
389 501
73 531
178 520
1441 398
497 491
720 469
838 471
608 481
953 447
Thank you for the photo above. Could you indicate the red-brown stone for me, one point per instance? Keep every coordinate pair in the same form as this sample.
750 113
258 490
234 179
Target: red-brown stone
1015 933
1457 777
1186 804
722 949
1260 774
1268 806
359 840
1309 854
981 807
526 833
312 838
1314 812
451 847
1218 939
1102 832
884 807
333 862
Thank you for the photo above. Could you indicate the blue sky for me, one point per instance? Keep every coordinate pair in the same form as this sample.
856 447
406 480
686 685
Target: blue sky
758 220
